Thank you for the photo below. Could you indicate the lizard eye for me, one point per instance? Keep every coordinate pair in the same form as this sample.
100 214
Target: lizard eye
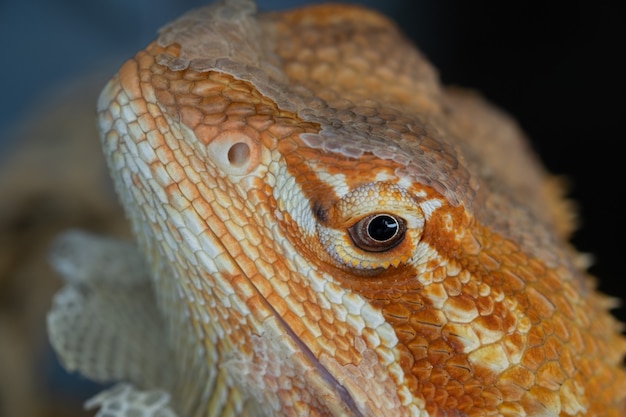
378 232
370 229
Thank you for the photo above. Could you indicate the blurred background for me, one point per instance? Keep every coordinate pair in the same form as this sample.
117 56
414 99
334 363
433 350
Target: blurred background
555 66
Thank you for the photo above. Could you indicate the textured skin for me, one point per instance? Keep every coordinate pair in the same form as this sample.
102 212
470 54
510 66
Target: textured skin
248 149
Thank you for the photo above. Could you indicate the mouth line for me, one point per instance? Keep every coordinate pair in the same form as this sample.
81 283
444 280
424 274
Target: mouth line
323 372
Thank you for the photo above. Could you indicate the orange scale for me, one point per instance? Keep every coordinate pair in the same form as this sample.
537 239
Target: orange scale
439 351
214 105
533 358
550 376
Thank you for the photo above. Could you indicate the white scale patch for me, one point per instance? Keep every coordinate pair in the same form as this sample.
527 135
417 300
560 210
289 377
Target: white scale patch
429 207
289 197
337 181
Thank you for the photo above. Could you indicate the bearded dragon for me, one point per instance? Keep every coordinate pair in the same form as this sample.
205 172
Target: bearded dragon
323 229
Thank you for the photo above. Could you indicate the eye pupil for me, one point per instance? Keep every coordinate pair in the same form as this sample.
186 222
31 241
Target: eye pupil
378 232
382 228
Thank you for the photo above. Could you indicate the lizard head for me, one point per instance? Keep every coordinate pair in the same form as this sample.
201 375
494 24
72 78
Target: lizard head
336 242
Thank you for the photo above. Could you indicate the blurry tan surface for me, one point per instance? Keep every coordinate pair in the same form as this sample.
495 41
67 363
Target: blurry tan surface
52 178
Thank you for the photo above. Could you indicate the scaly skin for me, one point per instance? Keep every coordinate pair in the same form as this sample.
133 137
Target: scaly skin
250 182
